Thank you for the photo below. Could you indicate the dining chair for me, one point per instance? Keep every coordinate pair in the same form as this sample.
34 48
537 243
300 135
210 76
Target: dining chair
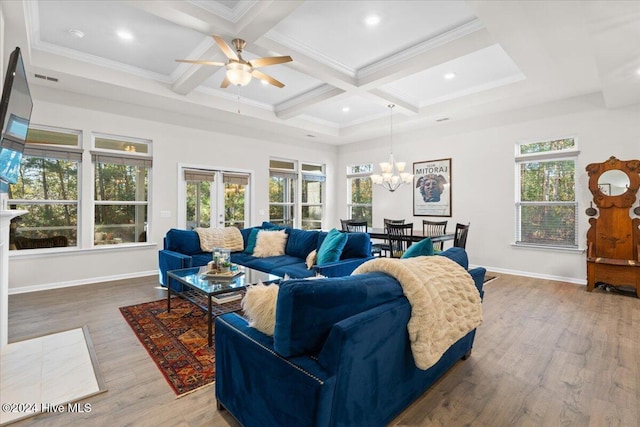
460 237
379 249
399 236
357 226
434 228
345 222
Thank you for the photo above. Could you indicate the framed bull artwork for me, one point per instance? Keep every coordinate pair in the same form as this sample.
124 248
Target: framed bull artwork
432 188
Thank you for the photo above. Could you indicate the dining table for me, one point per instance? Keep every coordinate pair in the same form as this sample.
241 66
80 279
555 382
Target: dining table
416 236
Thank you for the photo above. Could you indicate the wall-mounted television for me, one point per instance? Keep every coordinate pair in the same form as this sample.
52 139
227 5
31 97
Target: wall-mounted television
15 113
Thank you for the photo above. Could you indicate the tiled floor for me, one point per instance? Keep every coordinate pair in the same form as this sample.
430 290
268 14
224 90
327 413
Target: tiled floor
39 374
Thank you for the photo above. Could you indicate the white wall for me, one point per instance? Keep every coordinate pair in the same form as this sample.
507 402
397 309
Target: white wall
483 176
172 144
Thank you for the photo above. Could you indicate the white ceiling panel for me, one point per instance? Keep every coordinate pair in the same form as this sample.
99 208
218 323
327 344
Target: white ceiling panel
482 70
154 45
336 33
347 112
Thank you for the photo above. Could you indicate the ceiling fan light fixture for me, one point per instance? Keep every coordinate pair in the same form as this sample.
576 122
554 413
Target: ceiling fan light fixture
239 74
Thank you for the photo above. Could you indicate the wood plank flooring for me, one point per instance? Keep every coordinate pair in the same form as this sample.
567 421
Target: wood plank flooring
548 353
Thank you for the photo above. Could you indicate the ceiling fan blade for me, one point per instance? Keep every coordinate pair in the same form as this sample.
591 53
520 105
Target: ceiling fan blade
197 61
262 76
272 60
226 49
225 83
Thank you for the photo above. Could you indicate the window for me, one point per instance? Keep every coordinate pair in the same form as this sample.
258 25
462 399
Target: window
313 179
198 192
283 175
121 169
546 206
47 187
359 192
203 187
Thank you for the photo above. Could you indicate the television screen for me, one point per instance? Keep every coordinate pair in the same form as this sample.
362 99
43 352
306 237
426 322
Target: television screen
15 113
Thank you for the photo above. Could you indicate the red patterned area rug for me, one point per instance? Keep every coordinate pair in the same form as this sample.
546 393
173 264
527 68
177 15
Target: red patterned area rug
177 341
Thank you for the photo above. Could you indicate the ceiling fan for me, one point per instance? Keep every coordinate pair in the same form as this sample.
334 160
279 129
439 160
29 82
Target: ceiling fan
239 71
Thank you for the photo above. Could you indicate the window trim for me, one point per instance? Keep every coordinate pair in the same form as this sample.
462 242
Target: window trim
354 175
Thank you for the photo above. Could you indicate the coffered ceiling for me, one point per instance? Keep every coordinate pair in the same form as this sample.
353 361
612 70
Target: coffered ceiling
435 60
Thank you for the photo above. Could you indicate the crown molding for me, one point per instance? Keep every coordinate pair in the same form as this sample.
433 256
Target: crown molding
233 15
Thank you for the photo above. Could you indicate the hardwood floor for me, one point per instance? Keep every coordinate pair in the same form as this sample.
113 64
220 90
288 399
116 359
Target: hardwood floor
548 353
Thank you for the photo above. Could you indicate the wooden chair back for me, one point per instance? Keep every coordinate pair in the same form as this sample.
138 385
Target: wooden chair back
460 238
399 236
434 228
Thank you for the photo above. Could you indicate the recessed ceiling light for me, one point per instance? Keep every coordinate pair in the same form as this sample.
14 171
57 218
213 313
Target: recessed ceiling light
345 109
124 35
372 20
76 33
450 76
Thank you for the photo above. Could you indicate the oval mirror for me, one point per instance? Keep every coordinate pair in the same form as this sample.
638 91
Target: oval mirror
613 182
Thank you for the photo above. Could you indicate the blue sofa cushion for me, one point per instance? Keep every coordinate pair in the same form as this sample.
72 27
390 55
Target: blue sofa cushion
423 248
301 242
183 241
331 247
268 264
358 246
294 271
458 255
250 244
307 309
266 225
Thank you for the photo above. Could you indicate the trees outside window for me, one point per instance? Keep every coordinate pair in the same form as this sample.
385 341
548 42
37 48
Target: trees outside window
546 205
313 179
121 189
360 192
47 187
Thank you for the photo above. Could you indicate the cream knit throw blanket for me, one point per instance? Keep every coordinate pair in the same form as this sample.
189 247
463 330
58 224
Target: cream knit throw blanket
445 303
226 238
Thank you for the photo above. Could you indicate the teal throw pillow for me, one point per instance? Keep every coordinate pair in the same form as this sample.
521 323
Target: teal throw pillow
331 248
251 241
423 248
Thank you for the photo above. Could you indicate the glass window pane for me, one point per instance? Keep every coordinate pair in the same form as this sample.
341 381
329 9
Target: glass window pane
282 164
311 192
281 214
547 146
361 191
46 179
548 225
124 146
120 224
365 168
362 213
50 137
549 181
312 168
120 182
234 204
45 221
276 190
311 217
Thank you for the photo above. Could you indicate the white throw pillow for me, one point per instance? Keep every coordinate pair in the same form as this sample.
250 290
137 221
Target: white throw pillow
259 305
311 259
270 243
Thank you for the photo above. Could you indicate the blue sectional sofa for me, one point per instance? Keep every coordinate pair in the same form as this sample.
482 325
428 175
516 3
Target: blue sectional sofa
182 250
340 355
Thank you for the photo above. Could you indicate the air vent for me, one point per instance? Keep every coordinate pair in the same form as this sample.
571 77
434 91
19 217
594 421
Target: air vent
443 119
43 77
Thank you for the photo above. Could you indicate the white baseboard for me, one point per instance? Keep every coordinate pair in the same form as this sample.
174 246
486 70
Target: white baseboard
89 281
534 275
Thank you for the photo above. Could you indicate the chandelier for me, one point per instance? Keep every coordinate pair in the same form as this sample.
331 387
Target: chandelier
393 174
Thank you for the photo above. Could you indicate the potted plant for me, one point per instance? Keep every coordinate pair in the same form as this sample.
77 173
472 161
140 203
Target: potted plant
225 267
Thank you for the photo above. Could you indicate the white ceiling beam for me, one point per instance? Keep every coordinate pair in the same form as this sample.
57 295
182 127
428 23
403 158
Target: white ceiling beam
384 98
299 104
186 15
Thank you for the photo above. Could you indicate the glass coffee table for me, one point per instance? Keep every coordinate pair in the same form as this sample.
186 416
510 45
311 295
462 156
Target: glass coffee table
202 286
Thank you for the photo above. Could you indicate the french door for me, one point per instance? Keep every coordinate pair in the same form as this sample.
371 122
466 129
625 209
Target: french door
214 198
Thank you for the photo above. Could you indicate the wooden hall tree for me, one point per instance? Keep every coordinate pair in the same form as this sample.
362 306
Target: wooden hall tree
613 240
